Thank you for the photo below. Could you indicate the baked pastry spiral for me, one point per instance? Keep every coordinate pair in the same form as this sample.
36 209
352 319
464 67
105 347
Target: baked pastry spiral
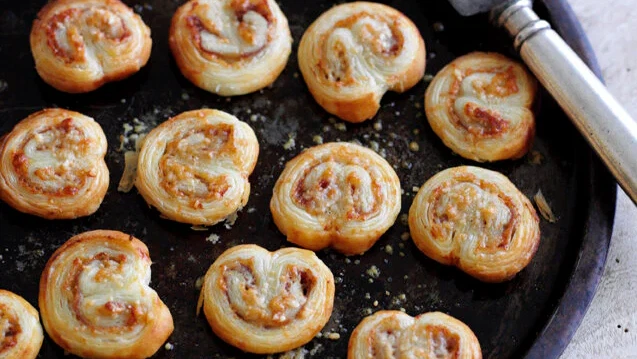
95 300
480 107
52 165
337 194
79 45
20 331
476 220
267 302
391 334
354 53
230 47
194 167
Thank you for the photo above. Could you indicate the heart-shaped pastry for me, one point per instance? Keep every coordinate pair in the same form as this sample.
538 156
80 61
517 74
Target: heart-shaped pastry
480 106
477 220
194 167
79 45
52 165
230 47
20 330
95 300
355 52
391 334
337 194
267 302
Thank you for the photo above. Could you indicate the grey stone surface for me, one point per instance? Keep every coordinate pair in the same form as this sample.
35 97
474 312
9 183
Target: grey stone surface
609 329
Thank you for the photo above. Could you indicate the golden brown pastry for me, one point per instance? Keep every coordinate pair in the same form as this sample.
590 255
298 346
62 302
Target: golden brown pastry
355 52
20 330
476 220
230 47
267 302
338 195
95 300
194 167
391 334
79 45
52 165
480 107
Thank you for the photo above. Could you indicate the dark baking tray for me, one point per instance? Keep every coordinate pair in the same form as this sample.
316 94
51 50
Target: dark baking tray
533 315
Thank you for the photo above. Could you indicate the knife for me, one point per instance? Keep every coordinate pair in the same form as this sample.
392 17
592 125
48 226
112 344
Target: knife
604 123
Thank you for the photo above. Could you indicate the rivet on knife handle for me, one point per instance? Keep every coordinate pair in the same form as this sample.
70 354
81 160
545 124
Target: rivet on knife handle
597 115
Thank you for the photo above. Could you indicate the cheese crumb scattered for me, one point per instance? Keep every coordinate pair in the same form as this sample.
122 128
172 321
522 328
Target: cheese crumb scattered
341 127
389 249
405 236
199 228
318 139
378 125
333 336
169 346
404 219
373 272
415 189
290 144
213 238
375 303
199 282
414 146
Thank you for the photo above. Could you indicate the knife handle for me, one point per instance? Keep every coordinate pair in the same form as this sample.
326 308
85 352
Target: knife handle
604 123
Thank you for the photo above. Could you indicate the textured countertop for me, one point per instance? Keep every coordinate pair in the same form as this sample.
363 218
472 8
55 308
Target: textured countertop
609 329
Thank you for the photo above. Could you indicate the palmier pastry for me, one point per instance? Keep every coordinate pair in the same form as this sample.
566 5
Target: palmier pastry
337 194
477 220
391 334
480 106
194 167
354 53
230 47
95 300
20 331
79 45
267 302
52 165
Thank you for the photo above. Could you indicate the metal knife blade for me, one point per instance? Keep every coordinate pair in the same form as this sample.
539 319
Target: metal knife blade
472 7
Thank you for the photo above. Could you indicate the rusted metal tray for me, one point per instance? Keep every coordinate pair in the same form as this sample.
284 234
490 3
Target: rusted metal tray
534 315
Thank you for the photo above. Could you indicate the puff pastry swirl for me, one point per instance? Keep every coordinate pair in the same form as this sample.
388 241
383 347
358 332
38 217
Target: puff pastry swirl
230 47
20 331
477 220
337 194
194 167
52 165
355 52
95 300
79 45
267 302
480 107
391 334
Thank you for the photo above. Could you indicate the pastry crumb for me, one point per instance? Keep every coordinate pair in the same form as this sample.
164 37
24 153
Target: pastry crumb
127 182
333 336
199 228
535 157
543 206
